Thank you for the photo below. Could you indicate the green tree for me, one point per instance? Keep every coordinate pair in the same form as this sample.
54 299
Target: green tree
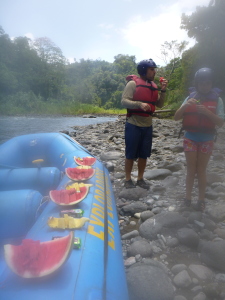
206 25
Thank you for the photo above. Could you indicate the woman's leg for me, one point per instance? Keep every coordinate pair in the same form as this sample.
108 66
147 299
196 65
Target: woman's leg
191 158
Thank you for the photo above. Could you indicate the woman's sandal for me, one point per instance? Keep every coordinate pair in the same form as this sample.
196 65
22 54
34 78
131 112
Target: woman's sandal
201 206
187 202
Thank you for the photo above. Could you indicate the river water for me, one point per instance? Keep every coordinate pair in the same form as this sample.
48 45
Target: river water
14 126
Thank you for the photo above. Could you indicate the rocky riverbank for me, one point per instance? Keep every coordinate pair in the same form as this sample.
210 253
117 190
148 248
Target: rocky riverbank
170 252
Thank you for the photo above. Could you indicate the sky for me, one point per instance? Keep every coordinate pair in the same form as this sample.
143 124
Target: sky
100 29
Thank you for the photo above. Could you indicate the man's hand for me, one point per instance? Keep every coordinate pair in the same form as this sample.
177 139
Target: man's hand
164 84
145 107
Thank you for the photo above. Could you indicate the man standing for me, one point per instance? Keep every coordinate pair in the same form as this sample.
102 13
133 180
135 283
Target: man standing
140 97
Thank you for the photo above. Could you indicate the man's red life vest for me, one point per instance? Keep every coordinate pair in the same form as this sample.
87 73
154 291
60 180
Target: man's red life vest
196 122
146 92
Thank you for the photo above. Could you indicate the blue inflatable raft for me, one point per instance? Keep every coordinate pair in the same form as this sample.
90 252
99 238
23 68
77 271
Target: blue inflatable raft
31 166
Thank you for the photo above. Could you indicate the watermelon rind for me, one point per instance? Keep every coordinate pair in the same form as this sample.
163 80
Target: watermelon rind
10 252
67 204
80 179
80 163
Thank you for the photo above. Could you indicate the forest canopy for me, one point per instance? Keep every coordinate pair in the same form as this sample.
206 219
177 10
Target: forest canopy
36 77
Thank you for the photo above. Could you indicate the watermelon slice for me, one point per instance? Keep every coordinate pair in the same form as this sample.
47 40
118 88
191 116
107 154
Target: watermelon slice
69 197
80 173
34 259
85 161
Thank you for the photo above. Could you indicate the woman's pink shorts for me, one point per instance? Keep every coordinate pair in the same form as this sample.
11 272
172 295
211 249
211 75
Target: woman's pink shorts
204 147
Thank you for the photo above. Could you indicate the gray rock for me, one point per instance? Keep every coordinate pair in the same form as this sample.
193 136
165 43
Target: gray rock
156 210
217 213
220 277
212 254
149 229
196 289
196 215
155 174
220 189
129 261
212 290
133 194
172 242
179 297
111 155
171 220
211 194
202 272
209 224
200 296
182 279
146 215
132 208
200 225
218 157
110 166
119 175
188 237
170 181
220 232
130 235
145 282
174 167
140 247
214 177
158 189
177 149
178 268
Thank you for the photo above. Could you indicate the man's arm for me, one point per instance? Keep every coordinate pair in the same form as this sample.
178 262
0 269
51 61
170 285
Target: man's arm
161 98
127 96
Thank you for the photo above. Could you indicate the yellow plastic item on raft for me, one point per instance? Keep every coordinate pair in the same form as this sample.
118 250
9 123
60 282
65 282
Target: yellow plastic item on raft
67 222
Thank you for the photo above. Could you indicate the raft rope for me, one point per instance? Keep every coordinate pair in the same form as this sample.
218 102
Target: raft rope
105 239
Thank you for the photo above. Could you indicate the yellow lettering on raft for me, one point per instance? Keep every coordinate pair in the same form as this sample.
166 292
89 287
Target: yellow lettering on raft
93 232
98 212
98 198
97 221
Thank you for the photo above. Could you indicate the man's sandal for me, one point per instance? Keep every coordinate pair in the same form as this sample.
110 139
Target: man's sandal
187 202
200 206
129 184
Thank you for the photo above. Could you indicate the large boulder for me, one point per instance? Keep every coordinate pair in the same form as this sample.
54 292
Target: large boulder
133 208
213 254
217 213
111 155
148 282
155 174
188 237
140 247
133 194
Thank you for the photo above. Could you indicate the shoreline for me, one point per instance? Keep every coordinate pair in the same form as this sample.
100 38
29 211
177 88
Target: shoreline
162 240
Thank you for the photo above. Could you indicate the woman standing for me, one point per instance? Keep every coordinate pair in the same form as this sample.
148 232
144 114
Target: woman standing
202 112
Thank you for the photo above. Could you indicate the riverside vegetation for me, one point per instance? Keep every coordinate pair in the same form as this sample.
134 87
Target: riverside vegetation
36 78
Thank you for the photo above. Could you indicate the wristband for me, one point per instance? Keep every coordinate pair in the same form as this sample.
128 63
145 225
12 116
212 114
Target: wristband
163 91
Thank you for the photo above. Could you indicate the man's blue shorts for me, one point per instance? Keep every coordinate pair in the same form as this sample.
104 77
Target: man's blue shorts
138 141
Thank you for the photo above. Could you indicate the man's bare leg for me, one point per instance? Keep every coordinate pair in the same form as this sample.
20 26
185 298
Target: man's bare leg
141 167
128 168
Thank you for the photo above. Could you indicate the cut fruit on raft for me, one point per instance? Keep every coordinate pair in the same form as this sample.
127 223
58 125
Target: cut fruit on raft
34 259
85 161
80 173
69 197
67 222
77 186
